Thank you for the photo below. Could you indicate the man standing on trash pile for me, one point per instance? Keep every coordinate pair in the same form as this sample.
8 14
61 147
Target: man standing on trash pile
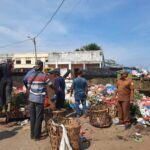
80 88
59 87
36 83
6 84
125 94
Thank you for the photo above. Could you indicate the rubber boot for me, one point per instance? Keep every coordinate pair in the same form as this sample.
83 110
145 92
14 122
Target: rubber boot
8 107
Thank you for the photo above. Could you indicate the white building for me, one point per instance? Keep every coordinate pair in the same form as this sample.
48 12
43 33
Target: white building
27 60
63 60
6 56
76 59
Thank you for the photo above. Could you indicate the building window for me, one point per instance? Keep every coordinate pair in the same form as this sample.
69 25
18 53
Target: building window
18 61
28 61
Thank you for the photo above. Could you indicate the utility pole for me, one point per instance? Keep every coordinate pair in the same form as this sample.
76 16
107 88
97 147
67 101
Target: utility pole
34 43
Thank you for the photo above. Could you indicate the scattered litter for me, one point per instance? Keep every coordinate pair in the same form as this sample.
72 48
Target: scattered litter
138 138
122 138
115 120
22 123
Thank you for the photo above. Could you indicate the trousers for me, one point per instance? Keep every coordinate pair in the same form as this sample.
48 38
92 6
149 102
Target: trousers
83 101
36 118
5 90
60 100
124 111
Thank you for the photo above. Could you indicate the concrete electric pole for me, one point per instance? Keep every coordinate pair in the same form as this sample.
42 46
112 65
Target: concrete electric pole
34 43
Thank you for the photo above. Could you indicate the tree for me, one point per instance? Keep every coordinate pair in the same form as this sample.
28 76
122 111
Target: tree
89 47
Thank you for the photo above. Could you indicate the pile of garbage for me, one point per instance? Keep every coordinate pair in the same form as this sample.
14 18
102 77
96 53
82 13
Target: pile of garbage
143 104
19 97
105 93
96 94
145 73
99 93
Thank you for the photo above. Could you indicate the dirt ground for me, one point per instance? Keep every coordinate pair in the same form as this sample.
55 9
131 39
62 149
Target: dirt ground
16 137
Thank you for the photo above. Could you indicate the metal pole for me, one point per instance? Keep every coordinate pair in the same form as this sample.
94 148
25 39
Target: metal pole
35 50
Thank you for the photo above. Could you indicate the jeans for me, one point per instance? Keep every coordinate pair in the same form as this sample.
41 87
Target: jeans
36 118
83 101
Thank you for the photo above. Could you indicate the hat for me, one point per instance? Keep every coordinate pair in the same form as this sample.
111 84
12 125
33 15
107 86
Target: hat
56 71
124 72
38 64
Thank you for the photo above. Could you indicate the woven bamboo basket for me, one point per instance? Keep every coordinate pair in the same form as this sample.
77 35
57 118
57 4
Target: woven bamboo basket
17 114
54 114
59 113
55 133
49 114
99 116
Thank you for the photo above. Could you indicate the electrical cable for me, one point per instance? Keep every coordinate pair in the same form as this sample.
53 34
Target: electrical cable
15 43
50 20
45 26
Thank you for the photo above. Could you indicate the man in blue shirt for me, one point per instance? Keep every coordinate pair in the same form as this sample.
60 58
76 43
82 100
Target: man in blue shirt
80 88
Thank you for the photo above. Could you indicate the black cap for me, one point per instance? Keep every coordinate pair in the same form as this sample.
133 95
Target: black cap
38 64
56 71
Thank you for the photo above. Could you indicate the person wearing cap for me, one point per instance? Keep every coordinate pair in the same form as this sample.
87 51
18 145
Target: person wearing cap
125 94
36 82
6 84
80 88
59 86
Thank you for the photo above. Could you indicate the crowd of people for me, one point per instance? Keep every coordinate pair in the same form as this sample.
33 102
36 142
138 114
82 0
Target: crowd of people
36 83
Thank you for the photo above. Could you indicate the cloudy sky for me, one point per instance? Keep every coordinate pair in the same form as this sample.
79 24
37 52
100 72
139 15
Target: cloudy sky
120 27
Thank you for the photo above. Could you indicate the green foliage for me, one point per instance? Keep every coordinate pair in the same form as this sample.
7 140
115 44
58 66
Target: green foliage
18 100
137 96
135 111
89 47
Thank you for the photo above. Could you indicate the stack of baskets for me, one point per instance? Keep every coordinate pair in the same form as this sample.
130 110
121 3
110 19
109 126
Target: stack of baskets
59 113
54 114
55 132
99 116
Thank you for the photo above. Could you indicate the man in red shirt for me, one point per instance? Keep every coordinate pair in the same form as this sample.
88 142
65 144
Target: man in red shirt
125 94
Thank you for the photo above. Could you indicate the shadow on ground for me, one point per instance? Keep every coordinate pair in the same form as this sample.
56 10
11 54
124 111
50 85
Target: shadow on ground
8 134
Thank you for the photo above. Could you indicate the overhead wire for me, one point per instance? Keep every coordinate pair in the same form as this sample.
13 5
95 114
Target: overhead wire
15 43
72 9
44 27
50 20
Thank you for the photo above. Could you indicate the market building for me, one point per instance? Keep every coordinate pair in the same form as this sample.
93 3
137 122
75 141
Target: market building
76 59
6 56
24 61
62 60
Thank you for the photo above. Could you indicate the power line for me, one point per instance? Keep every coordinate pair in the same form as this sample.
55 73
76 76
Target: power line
15 43
50 20
73 8
45 26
